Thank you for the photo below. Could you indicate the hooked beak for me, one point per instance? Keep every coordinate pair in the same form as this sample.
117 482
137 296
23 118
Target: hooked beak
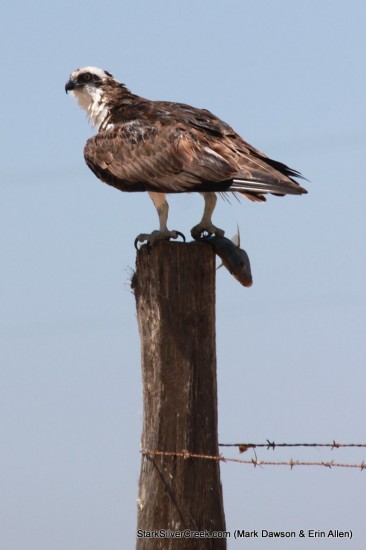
70 85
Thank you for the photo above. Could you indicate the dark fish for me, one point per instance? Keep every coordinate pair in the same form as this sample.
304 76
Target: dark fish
234 258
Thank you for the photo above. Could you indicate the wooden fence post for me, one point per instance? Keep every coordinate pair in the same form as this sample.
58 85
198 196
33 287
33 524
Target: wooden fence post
174 286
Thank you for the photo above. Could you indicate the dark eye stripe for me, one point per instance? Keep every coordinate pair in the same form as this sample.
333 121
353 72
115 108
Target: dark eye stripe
88 77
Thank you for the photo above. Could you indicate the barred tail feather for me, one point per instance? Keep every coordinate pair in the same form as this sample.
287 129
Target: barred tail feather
274 187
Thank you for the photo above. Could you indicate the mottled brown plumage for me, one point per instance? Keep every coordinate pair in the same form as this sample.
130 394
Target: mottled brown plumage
164 147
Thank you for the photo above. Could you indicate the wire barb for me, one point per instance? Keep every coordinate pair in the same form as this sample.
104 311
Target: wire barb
254 461
272 445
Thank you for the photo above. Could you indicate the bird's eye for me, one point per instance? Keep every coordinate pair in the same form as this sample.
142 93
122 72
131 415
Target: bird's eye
86 77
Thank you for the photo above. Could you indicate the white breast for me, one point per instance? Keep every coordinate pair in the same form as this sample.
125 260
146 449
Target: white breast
91 100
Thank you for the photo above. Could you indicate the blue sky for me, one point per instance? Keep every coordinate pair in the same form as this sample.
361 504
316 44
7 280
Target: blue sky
290 78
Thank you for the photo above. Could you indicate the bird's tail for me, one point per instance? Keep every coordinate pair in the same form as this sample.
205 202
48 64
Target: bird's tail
255 190
263 175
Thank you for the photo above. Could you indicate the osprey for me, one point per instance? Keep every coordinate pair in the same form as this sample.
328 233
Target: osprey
165 147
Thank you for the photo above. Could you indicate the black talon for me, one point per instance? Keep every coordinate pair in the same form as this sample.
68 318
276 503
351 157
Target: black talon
135 243
179 234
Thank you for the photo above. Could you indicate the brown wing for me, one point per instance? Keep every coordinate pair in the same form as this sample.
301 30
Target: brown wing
256 173
162 158
182 149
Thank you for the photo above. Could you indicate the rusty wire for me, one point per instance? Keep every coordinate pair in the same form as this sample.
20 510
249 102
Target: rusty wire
272 445
254 462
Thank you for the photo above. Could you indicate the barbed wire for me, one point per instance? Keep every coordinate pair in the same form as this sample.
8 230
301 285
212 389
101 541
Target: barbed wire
272 445
254 461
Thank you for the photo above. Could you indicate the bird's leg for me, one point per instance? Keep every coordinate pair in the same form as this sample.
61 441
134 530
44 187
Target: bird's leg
205 225
162 208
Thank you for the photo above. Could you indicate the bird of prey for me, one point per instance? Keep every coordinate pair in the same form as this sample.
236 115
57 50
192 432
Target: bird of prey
166 147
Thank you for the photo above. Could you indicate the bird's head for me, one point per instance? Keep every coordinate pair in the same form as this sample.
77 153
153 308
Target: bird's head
89 86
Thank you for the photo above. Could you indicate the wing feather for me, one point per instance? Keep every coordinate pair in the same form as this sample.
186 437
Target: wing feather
188 150
132 157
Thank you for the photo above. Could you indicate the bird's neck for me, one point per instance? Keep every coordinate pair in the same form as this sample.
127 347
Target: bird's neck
97 110
101 103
